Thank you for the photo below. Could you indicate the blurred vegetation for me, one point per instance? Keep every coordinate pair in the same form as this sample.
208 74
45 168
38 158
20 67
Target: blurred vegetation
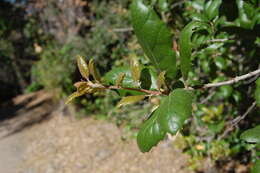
40 39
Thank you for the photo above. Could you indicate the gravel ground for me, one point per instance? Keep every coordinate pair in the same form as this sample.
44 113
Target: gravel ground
65 145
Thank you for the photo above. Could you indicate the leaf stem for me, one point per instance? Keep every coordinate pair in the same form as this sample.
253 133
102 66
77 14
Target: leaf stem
150 92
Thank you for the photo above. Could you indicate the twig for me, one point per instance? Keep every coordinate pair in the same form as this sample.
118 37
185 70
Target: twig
253 79
232 81
157 93
149 92
123 29
211 93
235 121
238 119
217 40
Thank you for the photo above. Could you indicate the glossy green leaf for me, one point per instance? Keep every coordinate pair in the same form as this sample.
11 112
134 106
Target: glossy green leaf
257 92
175 109
154 77
212 8
251 135
154 37
186 46
111 77
146 79
83 67
168 118
220 63
150 134
130 100
256 167
163 5
244 19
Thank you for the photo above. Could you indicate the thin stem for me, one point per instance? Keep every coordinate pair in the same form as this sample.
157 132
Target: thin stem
235 122
217 40
150 92
157 93
232 81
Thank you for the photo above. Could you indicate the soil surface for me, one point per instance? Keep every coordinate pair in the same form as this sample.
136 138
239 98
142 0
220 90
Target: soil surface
55 142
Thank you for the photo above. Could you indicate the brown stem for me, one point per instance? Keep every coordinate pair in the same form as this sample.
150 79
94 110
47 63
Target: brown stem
150 92
232 81
157 93
235 122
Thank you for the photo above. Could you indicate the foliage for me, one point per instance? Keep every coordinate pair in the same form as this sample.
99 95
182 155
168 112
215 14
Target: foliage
168 118
55 69
183 46
154 37
216 55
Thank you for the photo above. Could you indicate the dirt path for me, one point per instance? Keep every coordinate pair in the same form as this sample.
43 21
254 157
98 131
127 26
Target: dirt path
93 146
65 145
12 150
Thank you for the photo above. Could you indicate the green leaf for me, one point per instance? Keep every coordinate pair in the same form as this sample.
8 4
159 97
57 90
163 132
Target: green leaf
251 135
220 63
212 8
154 37
199 17
256 167
130 100
112 76
168 118
186 46
146 79
163 5
225 91
175 109
83 67
257 92
150 133
244 15
154 77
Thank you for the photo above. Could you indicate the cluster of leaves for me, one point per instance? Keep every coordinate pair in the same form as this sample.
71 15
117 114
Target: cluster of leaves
210 45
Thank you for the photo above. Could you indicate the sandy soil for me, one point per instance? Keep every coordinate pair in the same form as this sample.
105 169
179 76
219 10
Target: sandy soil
93 146
62 144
